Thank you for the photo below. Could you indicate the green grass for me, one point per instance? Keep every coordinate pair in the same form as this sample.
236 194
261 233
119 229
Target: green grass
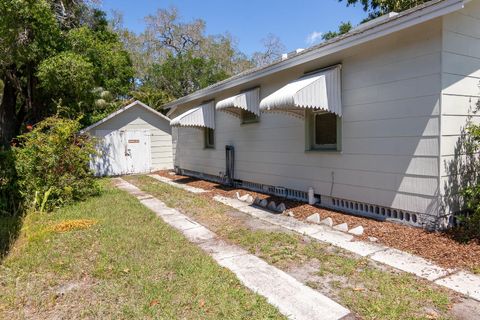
9 228
128 264
365 289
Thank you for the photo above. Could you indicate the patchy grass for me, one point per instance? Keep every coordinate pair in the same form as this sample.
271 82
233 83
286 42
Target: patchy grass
9 228
368 290
110 257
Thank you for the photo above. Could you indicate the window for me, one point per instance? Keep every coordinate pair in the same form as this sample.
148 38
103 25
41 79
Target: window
209 138
323 131
249 117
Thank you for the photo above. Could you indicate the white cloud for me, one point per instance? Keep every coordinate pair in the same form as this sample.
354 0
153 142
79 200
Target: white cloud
313 37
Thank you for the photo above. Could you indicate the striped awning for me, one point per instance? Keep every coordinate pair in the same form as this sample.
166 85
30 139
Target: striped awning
202 116
248 101
318 91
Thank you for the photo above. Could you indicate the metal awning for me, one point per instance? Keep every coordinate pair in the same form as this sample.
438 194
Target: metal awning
248 101
318 91
202 116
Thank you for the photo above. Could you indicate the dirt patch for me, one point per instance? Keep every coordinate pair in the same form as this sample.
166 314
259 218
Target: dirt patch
435 246
466 309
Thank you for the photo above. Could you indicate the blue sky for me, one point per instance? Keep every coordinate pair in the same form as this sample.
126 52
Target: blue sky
297 23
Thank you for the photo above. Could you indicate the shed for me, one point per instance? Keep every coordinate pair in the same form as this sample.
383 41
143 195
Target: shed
133 139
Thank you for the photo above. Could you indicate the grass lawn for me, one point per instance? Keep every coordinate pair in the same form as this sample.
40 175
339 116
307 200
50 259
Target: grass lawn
110 257
371 291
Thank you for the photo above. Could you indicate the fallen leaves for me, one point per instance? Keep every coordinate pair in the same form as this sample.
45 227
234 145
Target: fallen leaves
434 246
69 225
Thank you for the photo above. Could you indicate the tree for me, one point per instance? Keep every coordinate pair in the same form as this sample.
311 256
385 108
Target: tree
184 73
273 49
29 33
376 8
342 29
69 77
177 56
35 33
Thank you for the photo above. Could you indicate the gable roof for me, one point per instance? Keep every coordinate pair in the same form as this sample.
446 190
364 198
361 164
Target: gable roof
123 109
362 34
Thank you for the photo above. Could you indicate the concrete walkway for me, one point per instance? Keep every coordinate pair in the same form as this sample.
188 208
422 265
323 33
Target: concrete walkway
460 281
292 298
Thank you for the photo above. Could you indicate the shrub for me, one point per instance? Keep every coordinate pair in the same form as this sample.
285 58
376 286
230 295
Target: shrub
10 200
52 162
469 227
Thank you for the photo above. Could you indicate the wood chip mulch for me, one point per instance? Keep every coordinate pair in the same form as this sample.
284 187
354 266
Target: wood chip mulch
435 246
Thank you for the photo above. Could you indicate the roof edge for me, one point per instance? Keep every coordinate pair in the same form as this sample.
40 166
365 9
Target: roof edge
121 110
399 22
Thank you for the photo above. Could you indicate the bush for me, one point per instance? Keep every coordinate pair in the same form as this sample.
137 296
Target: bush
52 163
10 200
469 226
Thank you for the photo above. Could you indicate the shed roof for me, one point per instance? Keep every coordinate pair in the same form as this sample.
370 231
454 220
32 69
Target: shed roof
123 109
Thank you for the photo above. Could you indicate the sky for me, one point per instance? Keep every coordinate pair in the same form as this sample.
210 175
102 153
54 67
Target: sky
299 23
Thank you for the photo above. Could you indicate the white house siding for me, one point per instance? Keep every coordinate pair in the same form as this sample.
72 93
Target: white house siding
137 118
390 139
460 91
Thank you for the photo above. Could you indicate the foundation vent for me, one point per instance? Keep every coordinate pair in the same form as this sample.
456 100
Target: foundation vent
371 210
348 206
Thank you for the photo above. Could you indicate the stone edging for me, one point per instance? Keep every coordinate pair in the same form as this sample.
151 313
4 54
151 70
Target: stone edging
460 281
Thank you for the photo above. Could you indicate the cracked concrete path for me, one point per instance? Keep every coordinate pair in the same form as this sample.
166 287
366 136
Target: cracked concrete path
291 297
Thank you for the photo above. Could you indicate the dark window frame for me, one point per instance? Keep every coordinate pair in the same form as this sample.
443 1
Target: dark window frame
247 117
310 133
208 144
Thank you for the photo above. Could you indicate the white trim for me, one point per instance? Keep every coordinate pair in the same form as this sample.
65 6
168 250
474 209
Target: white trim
119 111
248 100
319 90
403 20
201 116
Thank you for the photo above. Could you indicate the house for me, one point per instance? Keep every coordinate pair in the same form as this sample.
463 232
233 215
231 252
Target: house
134 139
367 123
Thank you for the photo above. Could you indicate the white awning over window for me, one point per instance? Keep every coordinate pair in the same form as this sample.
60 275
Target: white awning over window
319 91
248 101
202 116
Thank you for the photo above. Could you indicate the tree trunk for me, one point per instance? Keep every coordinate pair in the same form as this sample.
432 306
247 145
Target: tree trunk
8 121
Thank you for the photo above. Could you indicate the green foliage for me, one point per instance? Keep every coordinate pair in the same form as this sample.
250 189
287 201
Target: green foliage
45 44
376 8
342 29
470 224
183 74
68 77
112 66
10 200
29 31
152 97
52 162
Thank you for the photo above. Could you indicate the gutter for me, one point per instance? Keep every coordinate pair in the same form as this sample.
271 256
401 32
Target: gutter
399 22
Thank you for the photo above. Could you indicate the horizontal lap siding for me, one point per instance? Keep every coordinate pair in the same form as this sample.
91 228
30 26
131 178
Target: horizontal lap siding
390 130
160 133
460 93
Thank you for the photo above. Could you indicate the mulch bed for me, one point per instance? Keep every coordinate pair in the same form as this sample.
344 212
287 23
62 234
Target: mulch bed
435 246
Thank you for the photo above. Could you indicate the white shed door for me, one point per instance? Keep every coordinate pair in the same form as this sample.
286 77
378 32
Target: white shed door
137 151
122 152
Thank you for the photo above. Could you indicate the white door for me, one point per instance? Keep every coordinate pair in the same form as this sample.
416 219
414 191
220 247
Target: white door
137 152
111 160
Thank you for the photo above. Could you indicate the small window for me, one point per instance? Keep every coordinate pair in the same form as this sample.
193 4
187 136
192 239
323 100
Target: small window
249 117
209 138
324 131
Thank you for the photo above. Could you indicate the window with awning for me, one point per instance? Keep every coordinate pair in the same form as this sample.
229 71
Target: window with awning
317 91
202 116
247 101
